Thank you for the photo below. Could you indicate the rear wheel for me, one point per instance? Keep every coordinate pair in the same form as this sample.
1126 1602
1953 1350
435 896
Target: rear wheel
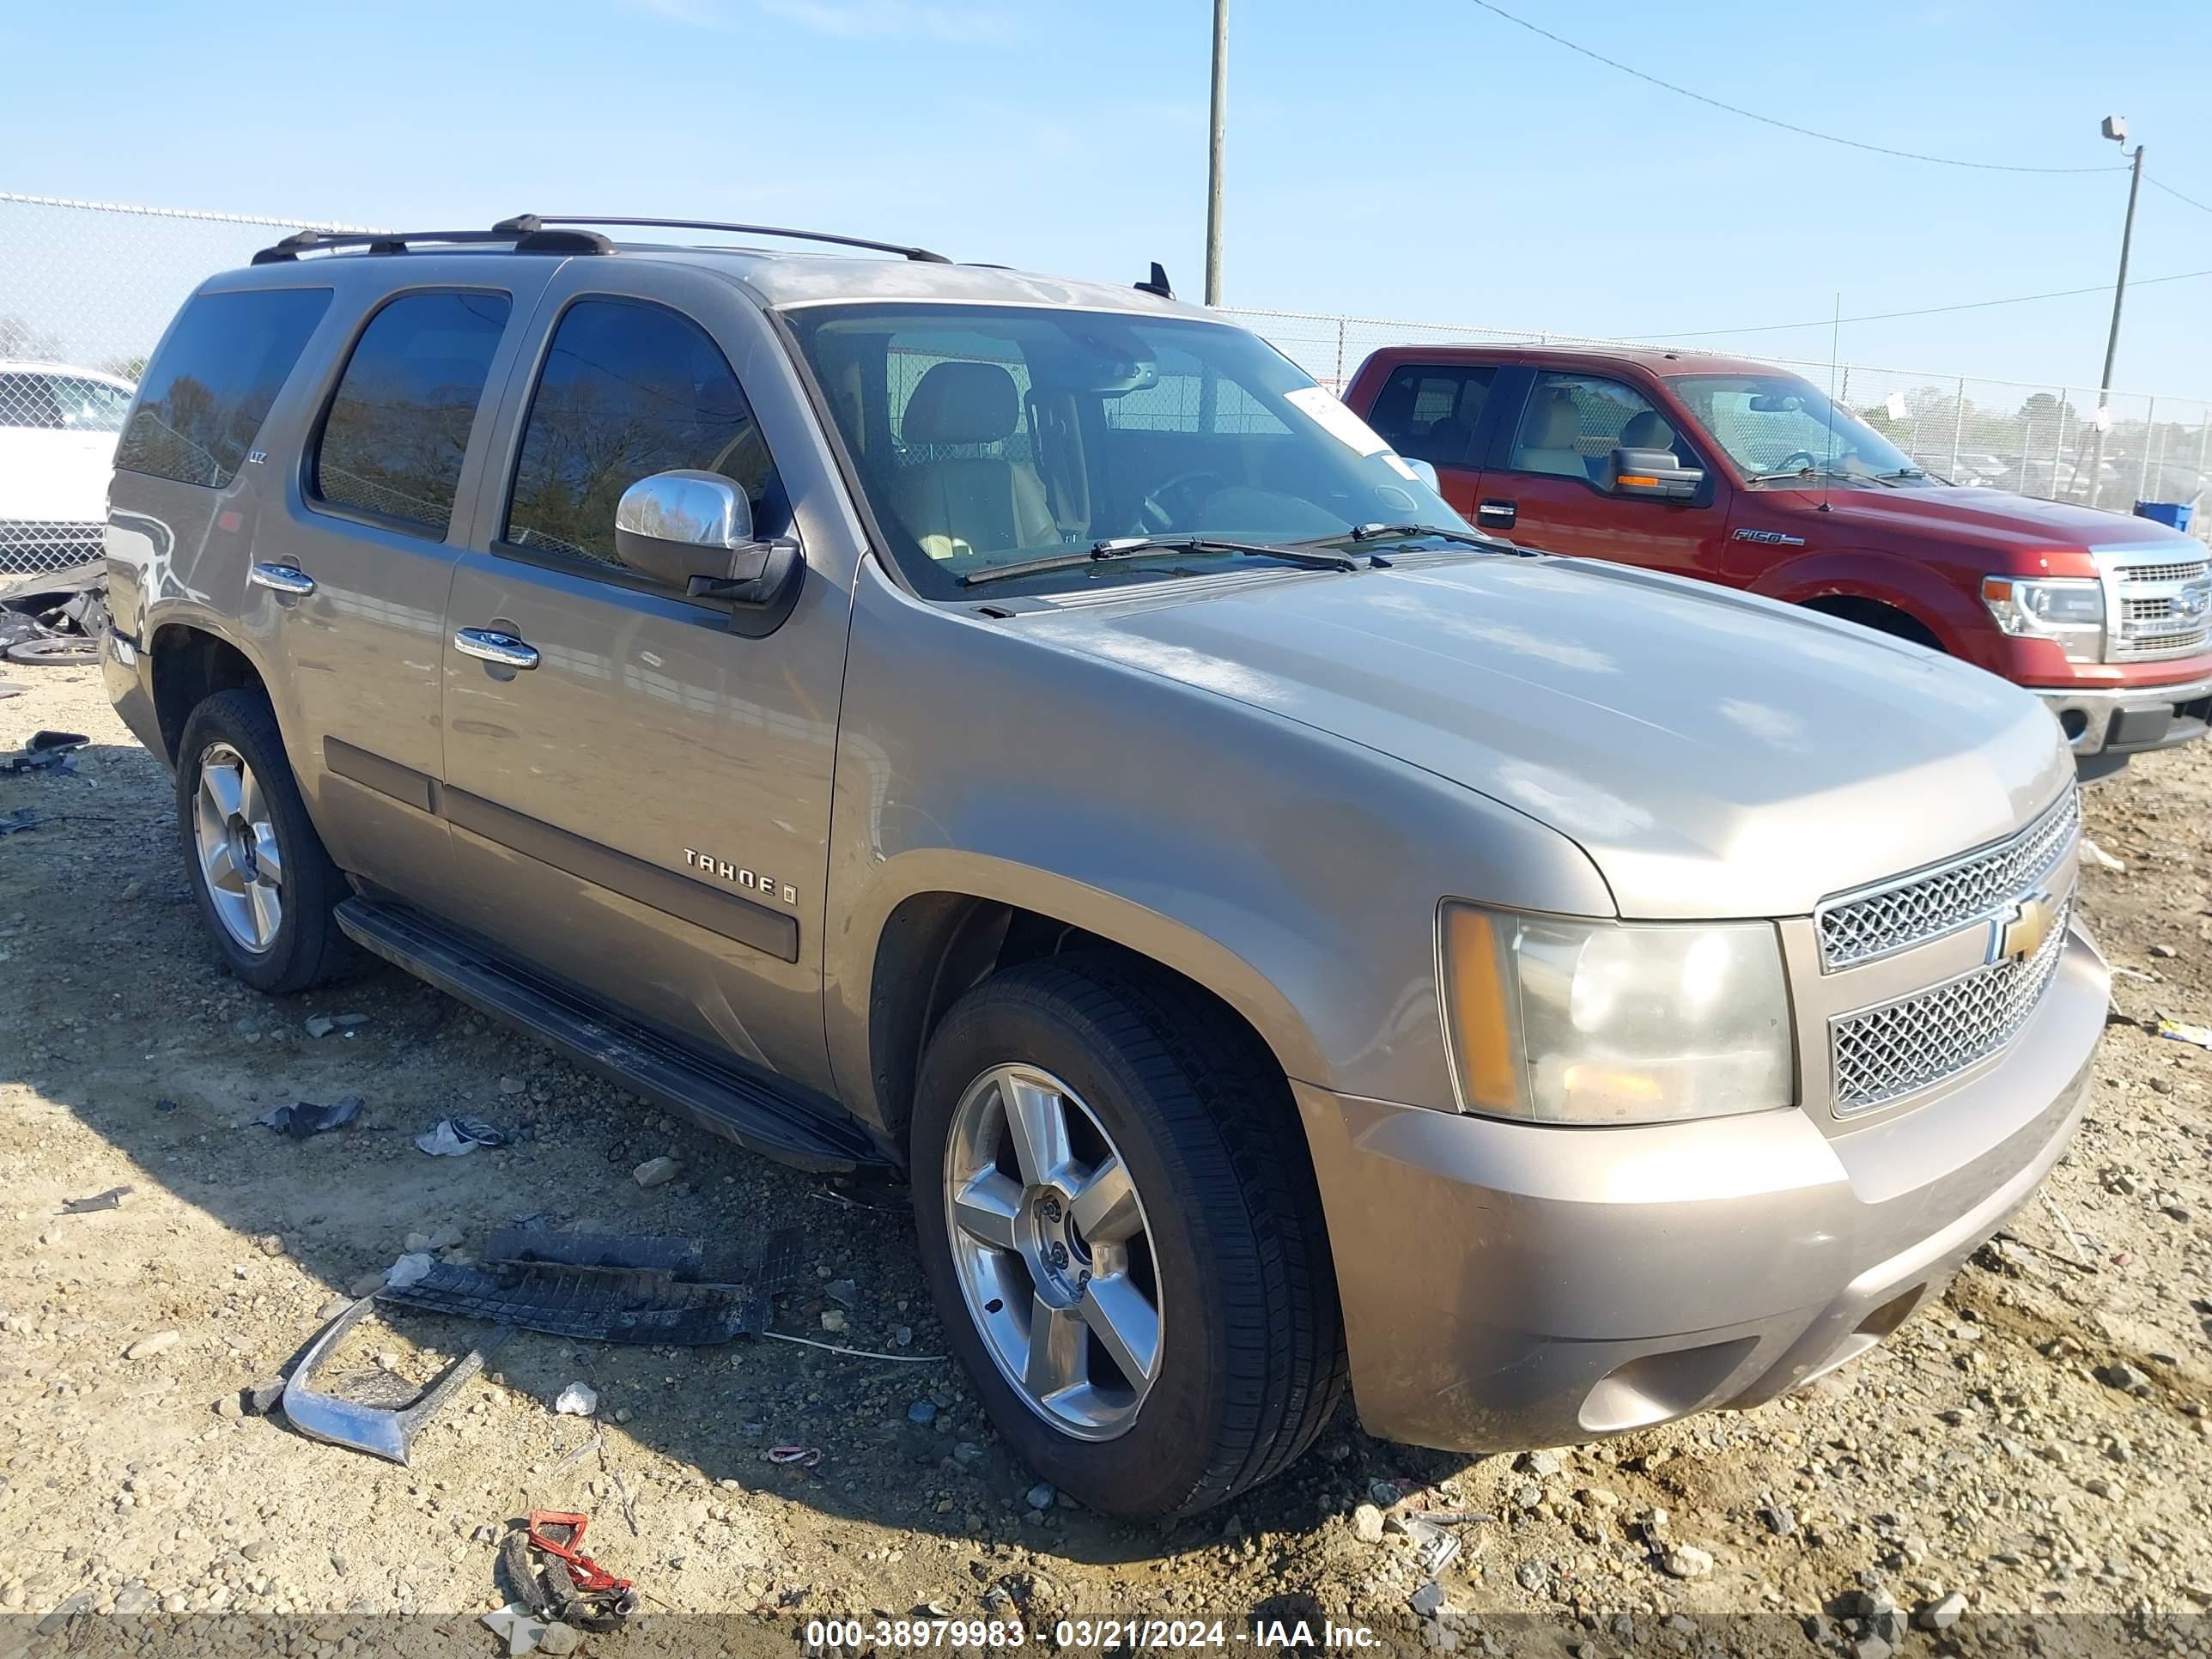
1123 1237
265 886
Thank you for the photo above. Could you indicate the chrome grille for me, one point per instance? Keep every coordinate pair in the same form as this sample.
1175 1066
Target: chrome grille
2158 609
1883 1054
1860 927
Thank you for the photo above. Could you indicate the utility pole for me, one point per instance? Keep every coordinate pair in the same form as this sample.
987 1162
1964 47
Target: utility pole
1220 116
2115 128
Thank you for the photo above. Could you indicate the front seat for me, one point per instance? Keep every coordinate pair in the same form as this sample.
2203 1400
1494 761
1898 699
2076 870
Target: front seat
1548 441
1649 430
959 505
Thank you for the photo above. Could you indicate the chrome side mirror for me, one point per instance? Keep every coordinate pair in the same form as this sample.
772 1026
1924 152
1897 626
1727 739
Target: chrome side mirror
693 530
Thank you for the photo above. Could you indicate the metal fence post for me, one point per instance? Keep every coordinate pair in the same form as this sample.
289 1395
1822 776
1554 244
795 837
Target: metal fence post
2204 447
2059 448
1958 425
2150 432
1341 323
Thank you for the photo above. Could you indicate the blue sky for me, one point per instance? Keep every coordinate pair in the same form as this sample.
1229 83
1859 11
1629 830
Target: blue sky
1409 159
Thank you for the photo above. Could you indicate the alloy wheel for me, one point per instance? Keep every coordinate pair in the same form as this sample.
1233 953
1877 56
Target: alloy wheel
1052 1251
235 839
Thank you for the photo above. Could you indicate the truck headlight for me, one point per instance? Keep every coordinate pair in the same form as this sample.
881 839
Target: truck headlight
2069 609
1562 1021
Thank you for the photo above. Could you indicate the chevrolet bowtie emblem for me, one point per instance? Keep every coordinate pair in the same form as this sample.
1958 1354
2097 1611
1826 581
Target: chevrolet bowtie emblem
2019 935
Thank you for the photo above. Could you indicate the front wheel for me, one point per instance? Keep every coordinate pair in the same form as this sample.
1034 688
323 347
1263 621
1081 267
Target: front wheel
1123 1237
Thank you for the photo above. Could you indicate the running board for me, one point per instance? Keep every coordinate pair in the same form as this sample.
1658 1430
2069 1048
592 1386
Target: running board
774 1121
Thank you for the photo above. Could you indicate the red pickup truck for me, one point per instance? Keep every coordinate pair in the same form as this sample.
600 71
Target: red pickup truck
1737 471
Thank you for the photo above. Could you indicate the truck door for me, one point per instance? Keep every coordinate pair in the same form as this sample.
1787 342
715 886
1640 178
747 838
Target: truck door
1438 413
1543 488
639 795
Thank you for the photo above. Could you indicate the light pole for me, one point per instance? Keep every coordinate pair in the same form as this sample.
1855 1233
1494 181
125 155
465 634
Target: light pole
2115 128
1219 117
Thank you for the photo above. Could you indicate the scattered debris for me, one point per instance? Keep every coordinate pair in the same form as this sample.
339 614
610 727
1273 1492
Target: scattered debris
806 1457
2093 854
524 1632
46 752
656 1172
151 1344
1687 1561
1433 1547
408 1271
303 1118
570 1588
111 1200
263 1397
320 1025
1942 1614
456 1137
2199 1035
20 819
577 1399
1040 1496
381 1430
604 1288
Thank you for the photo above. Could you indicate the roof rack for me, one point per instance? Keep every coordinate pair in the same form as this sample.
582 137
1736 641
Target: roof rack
524 234
920 253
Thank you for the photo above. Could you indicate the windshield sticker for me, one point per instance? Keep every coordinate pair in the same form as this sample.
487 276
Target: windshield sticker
1329 413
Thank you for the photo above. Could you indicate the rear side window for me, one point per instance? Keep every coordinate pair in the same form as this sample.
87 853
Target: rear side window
397 430
630 389
208 390
1430 411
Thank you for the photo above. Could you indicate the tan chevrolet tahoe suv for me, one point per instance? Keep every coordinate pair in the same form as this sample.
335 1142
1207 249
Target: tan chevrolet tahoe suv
1024 734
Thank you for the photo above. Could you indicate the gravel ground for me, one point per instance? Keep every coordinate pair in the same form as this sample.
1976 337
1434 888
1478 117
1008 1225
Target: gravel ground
2029 1455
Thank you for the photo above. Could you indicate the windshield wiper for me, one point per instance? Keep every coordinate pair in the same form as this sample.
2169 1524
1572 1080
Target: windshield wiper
1887 480
1370 533
1130 547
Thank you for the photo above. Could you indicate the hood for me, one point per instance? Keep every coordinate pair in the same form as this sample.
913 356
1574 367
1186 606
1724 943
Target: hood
1715 755
55 478
1989 517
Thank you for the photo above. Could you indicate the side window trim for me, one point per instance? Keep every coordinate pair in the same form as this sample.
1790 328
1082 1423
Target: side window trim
524 382
311 449
1509 403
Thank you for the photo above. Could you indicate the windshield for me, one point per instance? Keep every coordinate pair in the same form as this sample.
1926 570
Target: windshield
1778 422
995 436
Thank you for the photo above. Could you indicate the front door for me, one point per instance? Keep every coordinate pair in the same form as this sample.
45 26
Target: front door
640 798
1545 490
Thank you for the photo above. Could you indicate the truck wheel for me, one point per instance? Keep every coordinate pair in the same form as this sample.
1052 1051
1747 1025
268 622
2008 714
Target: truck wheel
265 886
1123 1237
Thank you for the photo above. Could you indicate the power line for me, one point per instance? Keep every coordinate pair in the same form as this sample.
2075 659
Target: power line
1769 120
1924 310
2176 194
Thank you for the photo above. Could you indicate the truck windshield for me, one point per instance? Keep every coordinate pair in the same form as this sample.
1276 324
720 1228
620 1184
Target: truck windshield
1782 424
996 436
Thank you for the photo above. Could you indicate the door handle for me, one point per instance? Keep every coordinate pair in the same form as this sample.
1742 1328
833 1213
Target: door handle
1497 512
493 645
282 578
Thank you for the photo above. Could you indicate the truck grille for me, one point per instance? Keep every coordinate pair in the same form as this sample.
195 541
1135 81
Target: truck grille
2158 609
1883 1054
1913 909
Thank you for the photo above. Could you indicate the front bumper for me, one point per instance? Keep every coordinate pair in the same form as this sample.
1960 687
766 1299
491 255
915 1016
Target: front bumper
2131 719
1510 1285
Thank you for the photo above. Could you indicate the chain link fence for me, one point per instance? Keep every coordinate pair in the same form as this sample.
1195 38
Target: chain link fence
86 288
2044 440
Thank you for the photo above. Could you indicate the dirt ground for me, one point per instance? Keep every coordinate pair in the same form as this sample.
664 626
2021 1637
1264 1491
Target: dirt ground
1991 1448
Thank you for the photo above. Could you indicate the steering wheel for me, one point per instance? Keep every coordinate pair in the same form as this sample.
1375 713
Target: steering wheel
1160 510
1798 460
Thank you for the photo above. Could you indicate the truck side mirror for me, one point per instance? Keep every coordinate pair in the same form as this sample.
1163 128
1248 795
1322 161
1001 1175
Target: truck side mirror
693 530
1654 474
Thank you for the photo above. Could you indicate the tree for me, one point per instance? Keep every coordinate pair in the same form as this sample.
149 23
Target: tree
19 339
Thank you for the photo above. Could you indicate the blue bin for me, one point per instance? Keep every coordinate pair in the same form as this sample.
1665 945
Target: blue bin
2173 515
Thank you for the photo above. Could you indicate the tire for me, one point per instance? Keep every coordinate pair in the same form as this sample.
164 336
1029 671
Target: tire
304 947
1232 1240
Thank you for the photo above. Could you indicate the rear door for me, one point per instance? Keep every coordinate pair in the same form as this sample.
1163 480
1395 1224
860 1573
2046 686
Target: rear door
352 565
1543 487
644 810
1440 413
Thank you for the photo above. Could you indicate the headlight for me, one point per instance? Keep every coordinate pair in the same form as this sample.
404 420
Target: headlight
2069 610
1600 1022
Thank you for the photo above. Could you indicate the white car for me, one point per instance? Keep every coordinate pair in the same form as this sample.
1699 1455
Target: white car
58 430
